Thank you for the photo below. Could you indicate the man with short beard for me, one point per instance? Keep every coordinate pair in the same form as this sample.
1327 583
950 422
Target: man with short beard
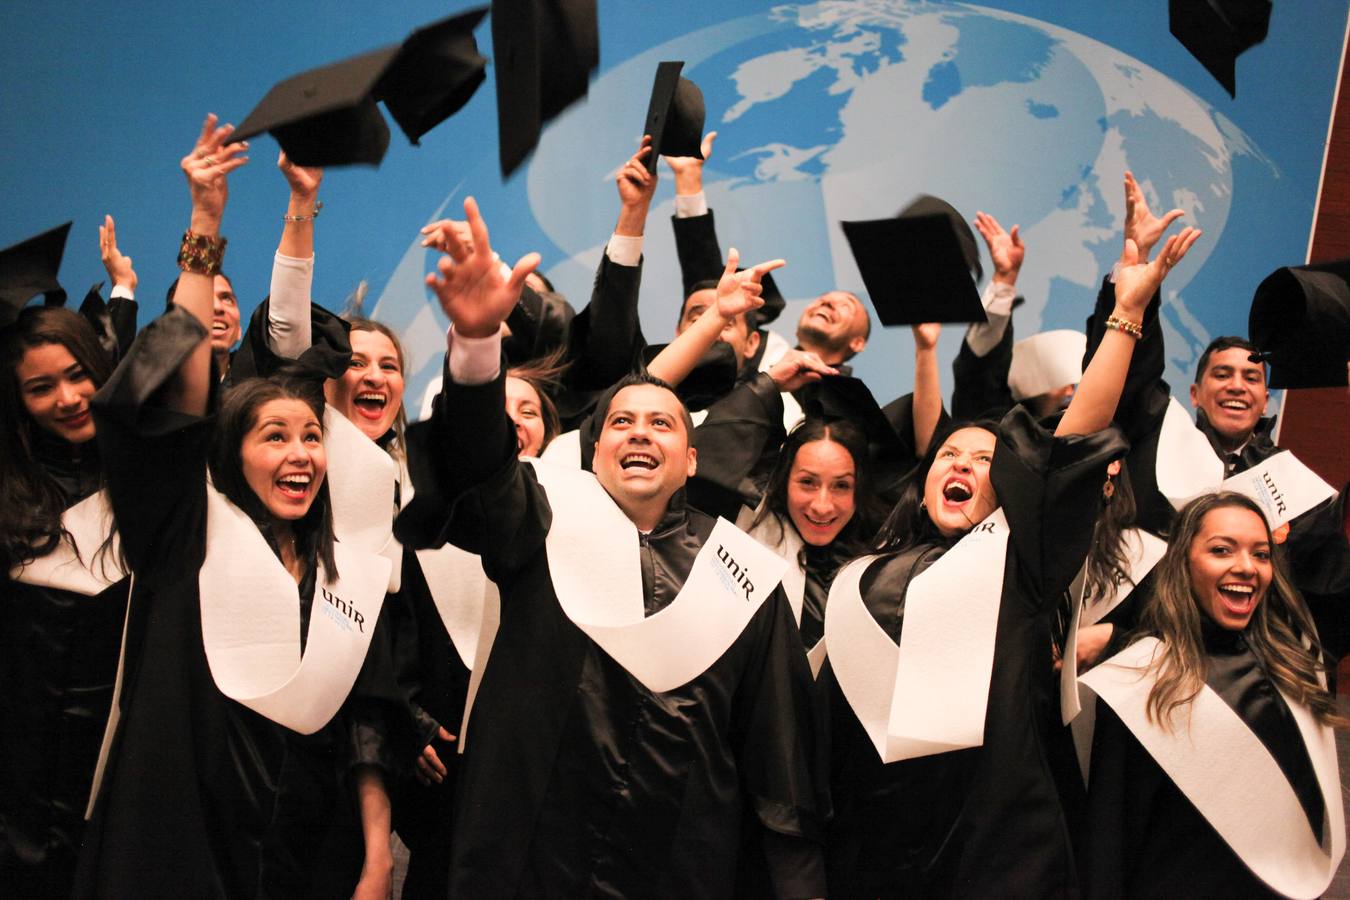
614 758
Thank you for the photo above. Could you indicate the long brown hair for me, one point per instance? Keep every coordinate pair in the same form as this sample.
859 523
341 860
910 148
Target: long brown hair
1281 632
237 416
33 502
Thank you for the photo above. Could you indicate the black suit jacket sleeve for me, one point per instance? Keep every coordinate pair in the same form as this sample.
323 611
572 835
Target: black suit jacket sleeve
696 245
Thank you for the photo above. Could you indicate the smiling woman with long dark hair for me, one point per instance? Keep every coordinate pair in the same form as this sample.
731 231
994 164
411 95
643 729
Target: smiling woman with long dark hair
1220 697
249 729
62 600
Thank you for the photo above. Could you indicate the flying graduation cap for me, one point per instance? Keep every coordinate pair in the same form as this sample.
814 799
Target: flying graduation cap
675 115
328 116
29 268
1300 318
544 52
920 266
1216 32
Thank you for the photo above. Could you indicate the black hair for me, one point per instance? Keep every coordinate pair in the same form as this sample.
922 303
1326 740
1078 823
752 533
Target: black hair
1220 344
710 284
909 523
548 285
856 537
237 416
173 289
642 378
32 500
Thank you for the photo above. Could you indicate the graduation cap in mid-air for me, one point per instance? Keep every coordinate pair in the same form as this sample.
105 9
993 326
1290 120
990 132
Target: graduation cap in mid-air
919 267
675 115
1216 32
1300 318
29 268
544 52
328 116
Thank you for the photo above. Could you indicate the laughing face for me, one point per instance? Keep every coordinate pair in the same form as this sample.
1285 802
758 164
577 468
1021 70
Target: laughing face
643 454
370 394
957 492
820 498
834 325
527 415
1230 565
56 389
1232 392
283 457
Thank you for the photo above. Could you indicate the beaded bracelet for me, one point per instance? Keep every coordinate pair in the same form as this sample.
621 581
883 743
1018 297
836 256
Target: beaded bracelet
1133 329
201 254
309 218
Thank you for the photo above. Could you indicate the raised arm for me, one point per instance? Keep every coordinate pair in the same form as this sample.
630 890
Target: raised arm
122 298
695 230
737 294
927 409
206 168
1094 403
288 313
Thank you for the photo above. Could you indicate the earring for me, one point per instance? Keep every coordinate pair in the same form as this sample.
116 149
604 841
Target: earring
1108 489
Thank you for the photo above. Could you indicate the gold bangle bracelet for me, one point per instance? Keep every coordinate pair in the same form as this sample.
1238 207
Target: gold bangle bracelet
1133 329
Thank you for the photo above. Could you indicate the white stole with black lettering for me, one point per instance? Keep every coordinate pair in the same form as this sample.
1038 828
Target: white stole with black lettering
594 561
1187 467
930 693
250 609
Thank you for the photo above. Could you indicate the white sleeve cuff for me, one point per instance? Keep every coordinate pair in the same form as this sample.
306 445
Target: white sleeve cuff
624 249
473 360
288 324
998 298
689 205
122 291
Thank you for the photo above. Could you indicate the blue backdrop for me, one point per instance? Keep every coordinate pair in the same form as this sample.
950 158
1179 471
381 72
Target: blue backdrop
827 111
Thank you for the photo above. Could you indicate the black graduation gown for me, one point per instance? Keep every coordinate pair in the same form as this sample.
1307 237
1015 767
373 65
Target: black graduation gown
1145 838
58 661
201 796
986 821
578 780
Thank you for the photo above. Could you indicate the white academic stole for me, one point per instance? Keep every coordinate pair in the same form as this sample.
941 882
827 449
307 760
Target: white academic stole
1231 778
594 561
782 539
1187 467
929 694
79 568
469 605
250 609
1142 553
361 478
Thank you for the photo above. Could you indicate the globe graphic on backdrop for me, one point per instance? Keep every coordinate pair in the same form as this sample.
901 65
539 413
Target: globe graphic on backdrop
846 110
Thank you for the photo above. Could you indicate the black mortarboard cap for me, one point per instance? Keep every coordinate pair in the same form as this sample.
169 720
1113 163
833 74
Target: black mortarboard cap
1300 318
29 268
435 73
1217 31
675 115
915 270
544 52
773 300
327 116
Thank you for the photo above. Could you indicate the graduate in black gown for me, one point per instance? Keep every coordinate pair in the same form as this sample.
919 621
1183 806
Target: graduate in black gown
1223 635
578 778
985 820
202 795
62 592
